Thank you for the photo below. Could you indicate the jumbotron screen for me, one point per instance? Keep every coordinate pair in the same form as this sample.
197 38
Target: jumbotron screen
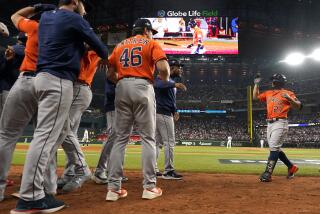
209 35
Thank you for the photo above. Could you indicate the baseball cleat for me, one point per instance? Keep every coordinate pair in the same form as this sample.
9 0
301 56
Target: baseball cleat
172 175
265 177
113 195
100 178
124 179
63 181
75 183
294 169
48 204
151 193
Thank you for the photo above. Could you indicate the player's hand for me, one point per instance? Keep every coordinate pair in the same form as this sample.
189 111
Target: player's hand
176 116
257 79
9 53
180 86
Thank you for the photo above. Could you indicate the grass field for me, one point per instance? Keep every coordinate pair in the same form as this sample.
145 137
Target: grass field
203 159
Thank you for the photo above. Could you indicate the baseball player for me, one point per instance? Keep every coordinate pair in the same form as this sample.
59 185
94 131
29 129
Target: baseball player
229 142
9 70
76 170
166 115
261 143
53 87
279 101
100 174
10 62
21 97
85 139
132 62
197 37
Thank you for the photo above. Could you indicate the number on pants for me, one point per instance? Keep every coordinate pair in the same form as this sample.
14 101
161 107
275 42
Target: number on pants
131 57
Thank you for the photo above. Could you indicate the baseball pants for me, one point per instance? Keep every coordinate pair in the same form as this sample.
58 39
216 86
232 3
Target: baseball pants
276 132
54 97
19 108
135 103
3 97
165 136
76 163
107 147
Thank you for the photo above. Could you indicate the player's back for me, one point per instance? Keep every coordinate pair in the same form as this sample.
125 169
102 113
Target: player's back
135 57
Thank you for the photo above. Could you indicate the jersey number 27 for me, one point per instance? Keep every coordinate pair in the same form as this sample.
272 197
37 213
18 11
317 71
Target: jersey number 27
131 57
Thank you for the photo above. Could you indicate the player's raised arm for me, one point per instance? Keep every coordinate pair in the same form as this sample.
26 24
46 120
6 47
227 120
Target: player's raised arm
256 91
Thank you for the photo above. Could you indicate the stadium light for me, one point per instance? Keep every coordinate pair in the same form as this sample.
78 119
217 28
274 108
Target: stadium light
315 55
294 59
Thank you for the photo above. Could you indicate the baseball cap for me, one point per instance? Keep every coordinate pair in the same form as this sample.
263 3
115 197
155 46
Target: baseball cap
144 23
175 62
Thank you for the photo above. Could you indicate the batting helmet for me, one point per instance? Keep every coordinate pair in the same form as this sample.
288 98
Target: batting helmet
279 79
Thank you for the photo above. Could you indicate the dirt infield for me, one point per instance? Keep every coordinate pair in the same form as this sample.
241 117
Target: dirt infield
197 193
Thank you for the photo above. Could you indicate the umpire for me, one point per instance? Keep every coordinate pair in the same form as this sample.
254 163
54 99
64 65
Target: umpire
166 115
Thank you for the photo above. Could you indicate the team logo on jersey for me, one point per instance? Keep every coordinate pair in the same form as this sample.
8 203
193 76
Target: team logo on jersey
161 13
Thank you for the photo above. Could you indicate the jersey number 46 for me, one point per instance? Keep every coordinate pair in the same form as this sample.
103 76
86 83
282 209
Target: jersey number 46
131 57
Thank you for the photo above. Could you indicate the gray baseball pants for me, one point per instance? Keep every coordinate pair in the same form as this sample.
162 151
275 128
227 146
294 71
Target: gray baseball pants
165 136
135 103
76 163
276 132
54 97
107 147
3 97
19 108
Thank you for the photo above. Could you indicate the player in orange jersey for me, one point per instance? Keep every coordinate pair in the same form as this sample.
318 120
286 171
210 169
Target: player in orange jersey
279 101
133 62
197 38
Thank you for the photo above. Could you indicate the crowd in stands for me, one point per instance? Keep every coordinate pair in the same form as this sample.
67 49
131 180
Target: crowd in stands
210 128
205 128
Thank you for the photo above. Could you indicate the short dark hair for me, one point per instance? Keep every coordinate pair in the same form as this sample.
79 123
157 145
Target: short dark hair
137 31
64 2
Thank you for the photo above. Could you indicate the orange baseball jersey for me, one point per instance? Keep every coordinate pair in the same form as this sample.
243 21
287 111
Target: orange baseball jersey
197 35
88 66
30 27
277 105
136 57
